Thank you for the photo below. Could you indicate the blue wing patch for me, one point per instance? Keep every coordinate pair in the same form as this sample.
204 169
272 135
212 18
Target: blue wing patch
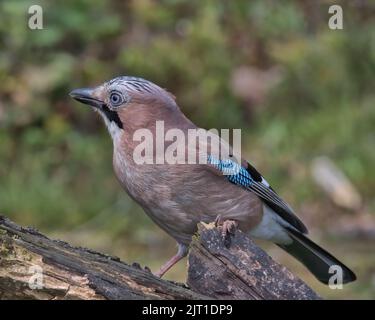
232 170
252 180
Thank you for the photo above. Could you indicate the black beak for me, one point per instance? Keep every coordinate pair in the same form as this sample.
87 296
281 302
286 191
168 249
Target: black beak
85 95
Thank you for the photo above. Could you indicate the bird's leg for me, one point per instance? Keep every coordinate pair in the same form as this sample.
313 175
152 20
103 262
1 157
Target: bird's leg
181 253
227 228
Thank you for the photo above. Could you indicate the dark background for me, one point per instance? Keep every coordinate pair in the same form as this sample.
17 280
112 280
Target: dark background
298 90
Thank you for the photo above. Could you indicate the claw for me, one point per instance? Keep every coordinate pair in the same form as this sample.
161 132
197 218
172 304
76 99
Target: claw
218 221
228 228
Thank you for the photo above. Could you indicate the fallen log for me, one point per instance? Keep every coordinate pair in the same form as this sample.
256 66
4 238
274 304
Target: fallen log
33 266
239 269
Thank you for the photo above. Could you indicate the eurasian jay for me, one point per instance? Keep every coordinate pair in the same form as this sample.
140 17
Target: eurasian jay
178 196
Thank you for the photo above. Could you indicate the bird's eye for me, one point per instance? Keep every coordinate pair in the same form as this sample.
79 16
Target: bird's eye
116 99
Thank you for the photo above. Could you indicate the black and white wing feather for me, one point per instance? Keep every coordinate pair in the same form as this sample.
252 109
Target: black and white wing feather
249 178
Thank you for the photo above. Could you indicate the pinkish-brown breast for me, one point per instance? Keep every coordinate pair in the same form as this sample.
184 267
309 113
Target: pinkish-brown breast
178 196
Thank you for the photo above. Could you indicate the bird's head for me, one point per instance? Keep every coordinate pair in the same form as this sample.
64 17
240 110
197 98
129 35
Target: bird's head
113 99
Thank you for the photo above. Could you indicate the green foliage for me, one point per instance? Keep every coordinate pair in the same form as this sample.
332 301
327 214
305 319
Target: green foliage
55 155
52 147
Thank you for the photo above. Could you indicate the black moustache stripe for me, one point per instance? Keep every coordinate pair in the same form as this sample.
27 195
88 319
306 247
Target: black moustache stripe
112 116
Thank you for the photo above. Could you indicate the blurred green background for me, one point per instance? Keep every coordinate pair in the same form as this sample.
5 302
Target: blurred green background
296 88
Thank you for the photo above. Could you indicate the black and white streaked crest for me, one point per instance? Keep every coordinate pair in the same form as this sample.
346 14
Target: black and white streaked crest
136 84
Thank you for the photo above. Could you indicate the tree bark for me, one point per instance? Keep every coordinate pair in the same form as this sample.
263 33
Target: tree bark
33 266
238 269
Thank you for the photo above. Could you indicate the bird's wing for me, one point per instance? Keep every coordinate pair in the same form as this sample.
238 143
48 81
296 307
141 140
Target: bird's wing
248 177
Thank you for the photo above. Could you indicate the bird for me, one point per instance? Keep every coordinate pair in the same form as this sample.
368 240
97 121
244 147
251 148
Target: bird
177 196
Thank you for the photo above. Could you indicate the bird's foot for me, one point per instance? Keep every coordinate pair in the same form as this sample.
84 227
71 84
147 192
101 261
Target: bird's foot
228 228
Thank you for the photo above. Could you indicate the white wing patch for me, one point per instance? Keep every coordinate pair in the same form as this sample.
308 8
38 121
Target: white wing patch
265 182
271 228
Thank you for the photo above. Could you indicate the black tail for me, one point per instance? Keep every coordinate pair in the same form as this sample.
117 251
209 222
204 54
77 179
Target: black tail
315 258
